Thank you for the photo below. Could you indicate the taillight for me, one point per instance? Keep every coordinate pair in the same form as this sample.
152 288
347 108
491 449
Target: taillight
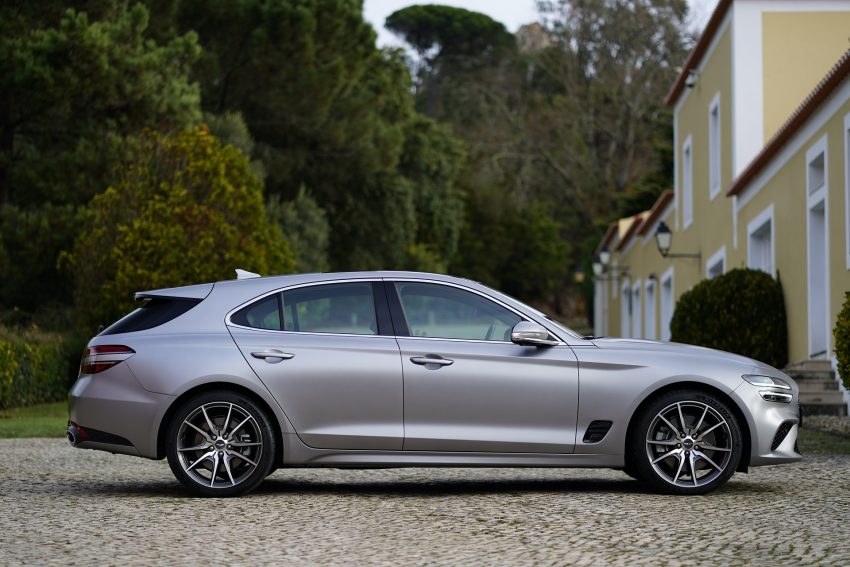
99 358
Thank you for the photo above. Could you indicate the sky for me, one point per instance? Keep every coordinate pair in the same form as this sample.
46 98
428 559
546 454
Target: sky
512 13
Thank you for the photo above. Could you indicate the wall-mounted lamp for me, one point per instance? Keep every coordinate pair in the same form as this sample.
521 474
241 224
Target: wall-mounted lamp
602 266
691 79
664 239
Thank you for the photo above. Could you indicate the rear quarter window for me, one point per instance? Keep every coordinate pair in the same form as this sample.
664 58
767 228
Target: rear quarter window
153 313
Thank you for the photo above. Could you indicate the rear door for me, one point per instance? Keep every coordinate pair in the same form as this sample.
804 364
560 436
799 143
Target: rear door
327 354
467 387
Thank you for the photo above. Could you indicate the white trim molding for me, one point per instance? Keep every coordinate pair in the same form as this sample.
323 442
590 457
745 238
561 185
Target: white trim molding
757 225
667 311
715 151
718 257
846 136
687 183
649 312
817 205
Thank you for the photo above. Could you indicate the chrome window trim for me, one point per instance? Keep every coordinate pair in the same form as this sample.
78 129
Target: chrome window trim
521 315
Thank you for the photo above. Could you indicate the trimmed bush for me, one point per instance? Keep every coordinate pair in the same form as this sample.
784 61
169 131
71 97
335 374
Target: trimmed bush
34 368
742 311
841 332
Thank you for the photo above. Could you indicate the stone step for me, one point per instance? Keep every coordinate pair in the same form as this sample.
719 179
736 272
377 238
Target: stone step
807 397
820 365
805 375
823 409
818 385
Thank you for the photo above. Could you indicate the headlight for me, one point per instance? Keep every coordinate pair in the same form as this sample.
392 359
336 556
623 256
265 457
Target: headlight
766 381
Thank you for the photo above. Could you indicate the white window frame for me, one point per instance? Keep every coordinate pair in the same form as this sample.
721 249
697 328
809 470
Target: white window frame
814 198
666 318
637 301
714 148
718 257
687 183
847 191
649 299
754 226
625 310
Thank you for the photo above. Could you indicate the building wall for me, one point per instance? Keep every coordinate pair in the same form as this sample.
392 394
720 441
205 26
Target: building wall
765 58
792 68
784 187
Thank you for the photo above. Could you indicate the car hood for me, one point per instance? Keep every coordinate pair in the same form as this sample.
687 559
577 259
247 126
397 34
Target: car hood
658 347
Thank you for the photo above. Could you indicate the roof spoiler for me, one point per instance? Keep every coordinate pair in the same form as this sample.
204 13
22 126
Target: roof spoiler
199 291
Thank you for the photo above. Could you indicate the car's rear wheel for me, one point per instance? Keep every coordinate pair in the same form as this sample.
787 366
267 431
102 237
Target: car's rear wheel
686 442
220 443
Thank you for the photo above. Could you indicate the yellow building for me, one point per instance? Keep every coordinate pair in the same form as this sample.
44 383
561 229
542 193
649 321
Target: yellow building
762 170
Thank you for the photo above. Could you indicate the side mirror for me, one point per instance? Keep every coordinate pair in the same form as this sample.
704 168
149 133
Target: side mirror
527 333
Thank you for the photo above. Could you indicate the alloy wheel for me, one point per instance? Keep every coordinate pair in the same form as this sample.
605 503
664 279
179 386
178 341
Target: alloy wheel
689 444
219 444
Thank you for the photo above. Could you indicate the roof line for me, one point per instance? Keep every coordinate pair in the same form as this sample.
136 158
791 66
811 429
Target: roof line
798 118
637 221
698 51
655 212
609 235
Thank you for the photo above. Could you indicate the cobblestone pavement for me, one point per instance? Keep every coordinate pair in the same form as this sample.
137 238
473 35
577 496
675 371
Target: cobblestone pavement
62 506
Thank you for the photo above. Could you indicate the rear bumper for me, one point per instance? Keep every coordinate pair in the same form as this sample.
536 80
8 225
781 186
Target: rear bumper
113 402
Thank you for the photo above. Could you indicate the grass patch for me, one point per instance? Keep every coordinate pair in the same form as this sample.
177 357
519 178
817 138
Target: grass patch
42 420
814 442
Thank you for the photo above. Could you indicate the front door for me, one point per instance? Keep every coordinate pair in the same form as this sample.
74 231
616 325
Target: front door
338 377
467 387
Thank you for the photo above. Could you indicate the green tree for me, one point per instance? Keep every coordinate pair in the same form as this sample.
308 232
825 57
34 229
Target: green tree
185 209
333 114
307 230
450 43
73 85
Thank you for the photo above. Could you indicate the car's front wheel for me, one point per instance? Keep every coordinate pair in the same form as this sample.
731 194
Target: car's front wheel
220 443
686 442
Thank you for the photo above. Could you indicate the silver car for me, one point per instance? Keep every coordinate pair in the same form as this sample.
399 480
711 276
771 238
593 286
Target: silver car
234 379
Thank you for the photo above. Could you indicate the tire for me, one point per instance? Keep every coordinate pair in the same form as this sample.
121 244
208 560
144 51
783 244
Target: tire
694 459
233 459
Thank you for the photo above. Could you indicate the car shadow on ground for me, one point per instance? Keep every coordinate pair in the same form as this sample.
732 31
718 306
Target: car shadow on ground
280 484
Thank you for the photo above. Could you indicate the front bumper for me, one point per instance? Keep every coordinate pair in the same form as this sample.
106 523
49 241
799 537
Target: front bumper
113 402
764 420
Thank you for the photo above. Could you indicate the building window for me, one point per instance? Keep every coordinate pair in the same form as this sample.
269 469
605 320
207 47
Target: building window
666 303
817 227
847 191
649 310
636 323
687 184
716 265
760 242
714 147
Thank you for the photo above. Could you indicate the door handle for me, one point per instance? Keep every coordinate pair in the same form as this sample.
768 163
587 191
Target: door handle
431 359
272 354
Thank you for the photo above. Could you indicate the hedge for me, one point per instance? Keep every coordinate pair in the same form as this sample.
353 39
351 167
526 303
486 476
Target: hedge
34 368
742 311
841 332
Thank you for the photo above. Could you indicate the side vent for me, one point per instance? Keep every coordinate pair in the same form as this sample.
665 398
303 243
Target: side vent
596 431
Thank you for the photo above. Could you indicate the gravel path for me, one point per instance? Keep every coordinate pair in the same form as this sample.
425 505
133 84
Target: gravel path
62 506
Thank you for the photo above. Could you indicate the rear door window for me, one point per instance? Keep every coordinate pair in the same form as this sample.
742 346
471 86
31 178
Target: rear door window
344 308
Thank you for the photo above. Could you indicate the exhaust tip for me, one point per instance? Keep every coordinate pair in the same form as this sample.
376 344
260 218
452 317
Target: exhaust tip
75 435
